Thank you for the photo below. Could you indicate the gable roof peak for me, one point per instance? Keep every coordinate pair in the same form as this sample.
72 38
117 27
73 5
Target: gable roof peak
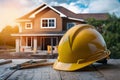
37 10
62 11
46 6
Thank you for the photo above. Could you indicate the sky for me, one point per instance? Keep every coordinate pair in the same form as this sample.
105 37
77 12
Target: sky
12 9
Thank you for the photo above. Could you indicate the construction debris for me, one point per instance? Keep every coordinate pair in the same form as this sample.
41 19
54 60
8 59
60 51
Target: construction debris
32 64
5 61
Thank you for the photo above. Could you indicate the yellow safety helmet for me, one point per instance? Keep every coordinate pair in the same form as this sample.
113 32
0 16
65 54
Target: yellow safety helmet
81 46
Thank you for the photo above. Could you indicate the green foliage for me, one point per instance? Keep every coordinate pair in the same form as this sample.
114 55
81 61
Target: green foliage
110 29
5 36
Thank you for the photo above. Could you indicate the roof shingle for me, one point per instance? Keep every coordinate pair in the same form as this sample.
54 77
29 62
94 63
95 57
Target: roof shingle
68 13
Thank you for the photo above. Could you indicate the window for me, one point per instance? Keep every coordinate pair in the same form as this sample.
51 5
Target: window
28 25
48 23
69 25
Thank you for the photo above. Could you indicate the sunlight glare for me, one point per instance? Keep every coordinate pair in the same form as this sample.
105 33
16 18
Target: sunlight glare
7 17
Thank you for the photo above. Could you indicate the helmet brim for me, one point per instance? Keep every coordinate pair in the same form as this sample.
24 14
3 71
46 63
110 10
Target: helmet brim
70 66
75 66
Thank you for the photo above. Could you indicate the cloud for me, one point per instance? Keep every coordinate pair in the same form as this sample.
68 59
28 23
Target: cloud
11 9
106 6
78 6
103 6
71 7
87 6
20 7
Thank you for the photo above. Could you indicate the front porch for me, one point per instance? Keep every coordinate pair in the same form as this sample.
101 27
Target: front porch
37 44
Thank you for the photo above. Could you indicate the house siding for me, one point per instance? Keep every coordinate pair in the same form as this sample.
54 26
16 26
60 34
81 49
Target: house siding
22 24
36 22
47 13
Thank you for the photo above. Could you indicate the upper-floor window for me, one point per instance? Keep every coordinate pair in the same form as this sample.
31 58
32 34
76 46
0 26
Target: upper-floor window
70 24
48 23
28 25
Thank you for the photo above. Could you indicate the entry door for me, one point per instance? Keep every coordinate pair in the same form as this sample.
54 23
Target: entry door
48 41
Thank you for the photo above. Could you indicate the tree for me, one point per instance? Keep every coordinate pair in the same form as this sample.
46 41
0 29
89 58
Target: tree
5 36
111 34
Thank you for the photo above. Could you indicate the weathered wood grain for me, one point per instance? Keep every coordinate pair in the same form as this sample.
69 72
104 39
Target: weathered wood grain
87 73
111 71
5 72
39 73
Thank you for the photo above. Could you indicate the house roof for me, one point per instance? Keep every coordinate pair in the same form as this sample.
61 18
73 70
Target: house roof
68 13
37 10
46 6
97 16
59 9
63 13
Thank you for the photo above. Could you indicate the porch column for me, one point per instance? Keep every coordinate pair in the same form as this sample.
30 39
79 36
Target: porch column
57 41
17 45
52 45
35 44
43 39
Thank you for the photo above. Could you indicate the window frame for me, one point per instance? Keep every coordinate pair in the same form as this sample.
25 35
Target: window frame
48 22
28 23
70 23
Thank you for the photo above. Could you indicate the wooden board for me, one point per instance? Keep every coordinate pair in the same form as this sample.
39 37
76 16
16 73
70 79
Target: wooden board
5 61
111 71
92 72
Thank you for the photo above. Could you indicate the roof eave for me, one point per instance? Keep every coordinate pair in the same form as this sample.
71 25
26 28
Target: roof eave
82 20
33 15
16 35
23 20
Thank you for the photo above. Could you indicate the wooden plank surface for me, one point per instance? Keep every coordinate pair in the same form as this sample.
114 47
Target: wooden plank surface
111 71
87 73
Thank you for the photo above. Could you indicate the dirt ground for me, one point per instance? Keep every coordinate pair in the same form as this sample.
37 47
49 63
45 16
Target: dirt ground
13 55
24 55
